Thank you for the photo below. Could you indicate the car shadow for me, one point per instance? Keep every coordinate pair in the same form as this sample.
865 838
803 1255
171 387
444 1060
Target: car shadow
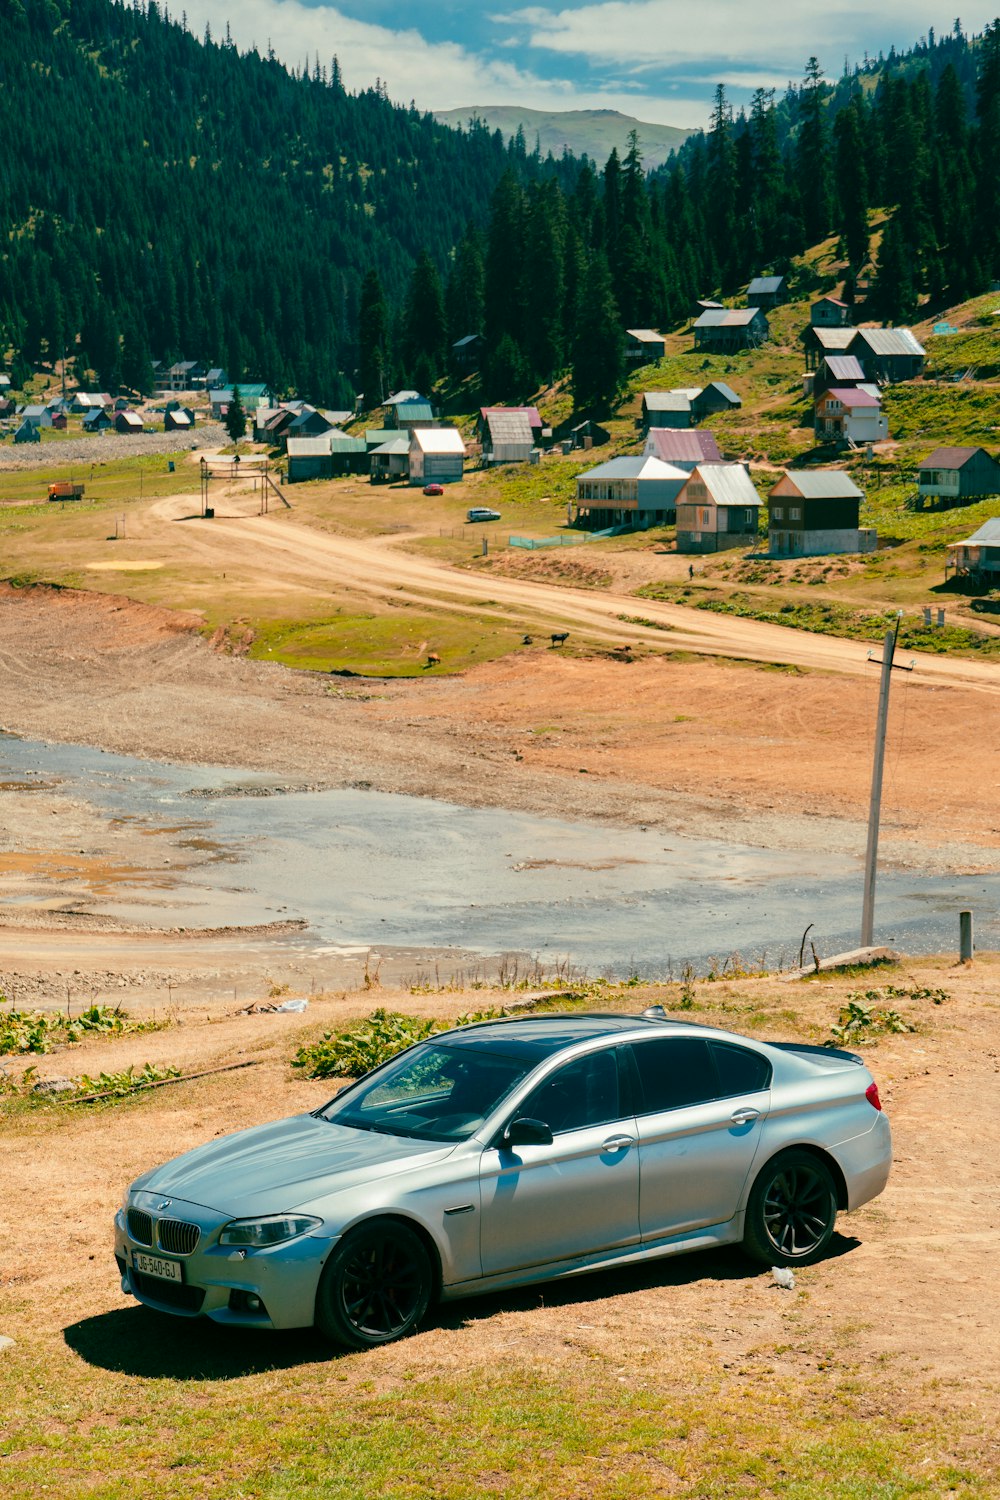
155 1346
596 1286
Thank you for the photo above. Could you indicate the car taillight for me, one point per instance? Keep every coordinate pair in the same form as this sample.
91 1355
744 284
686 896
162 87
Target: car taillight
871 1094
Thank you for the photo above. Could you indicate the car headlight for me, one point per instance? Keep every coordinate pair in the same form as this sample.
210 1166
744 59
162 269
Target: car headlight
272 1230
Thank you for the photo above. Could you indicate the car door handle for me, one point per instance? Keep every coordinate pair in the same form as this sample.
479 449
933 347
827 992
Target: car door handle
744 1116
618 1143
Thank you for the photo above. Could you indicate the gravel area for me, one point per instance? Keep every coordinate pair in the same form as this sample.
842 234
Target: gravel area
108 447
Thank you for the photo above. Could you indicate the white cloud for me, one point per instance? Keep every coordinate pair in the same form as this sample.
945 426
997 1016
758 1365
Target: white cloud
666 32
437 75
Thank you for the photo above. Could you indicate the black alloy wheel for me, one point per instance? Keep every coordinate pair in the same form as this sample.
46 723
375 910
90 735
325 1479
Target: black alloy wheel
376 1286
792 1211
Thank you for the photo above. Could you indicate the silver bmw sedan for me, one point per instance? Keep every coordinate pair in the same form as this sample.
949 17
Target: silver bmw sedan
503 1153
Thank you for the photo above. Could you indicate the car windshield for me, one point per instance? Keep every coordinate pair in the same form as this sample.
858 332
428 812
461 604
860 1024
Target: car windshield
432 1092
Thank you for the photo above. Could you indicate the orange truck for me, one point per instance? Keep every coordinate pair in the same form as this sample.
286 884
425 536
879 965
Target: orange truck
65 489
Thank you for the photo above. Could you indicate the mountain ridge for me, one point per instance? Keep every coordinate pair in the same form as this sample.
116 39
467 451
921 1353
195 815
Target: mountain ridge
583 132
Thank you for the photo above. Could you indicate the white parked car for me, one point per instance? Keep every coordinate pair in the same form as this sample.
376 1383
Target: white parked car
509 1152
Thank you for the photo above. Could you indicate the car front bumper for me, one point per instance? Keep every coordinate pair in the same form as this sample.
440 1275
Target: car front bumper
273 1287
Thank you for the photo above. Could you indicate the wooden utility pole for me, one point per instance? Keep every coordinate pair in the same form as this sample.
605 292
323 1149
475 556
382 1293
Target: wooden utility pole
875 806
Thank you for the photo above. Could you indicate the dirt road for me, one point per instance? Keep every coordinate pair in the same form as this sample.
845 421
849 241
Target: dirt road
275 545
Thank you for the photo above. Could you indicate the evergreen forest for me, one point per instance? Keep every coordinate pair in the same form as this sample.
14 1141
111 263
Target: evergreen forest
165 195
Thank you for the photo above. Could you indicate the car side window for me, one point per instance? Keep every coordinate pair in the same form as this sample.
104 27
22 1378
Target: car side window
584 1092
674 1072
740 1071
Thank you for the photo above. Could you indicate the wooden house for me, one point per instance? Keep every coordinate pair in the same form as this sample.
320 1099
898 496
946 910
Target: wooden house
59 421
714 397
887 355
829 312
767 291
129 422
978 556
508 438
27 432
406 415
635 492
96 420
390 460
836 369
37 415
437 455
643 346
817 343
668 408
958 475
851 414
682 449
815 512
467 353
717 509
728 329
178 419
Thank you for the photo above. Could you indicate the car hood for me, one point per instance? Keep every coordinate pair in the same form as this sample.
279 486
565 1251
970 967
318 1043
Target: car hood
273 1168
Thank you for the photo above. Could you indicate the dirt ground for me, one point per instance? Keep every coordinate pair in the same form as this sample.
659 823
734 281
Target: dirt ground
905 1306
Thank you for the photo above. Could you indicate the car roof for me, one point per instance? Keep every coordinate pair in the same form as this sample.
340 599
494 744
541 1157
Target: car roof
540 1036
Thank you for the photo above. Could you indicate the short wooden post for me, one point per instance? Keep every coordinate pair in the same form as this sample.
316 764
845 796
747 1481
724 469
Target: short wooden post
965 944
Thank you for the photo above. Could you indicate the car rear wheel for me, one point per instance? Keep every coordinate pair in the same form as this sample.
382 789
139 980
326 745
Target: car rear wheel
376 1286
792 1211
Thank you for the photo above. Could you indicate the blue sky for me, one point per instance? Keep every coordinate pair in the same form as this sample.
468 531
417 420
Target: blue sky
659 60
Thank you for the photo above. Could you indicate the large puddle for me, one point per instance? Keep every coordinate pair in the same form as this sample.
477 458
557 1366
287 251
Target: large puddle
370 869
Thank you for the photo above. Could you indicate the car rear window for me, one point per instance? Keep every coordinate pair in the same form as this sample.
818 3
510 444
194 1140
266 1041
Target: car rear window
740 1071
678 1071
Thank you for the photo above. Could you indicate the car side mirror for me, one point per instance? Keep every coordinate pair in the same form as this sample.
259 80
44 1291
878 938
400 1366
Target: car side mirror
527 1132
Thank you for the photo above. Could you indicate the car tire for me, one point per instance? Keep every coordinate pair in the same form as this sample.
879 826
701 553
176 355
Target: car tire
791 1211
375 1287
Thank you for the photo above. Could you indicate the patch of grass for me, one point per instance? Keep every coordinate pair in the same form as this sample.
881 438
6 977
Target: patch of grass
38 1031
395 644
841 620
383 1034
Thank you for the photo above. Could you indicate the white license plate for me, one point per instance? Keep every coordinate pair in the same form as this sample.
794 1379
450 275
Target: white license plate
155 1265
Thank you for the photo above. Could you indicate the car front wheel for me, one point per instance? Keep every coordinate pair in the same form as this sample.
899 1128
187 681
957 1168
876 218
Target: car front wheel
375 1287
792 1211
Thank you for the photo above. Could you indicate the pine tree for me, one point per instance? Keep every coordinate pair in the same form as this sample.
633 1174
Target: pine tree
373 341
852 186
236 417
598 353
425 327
813 157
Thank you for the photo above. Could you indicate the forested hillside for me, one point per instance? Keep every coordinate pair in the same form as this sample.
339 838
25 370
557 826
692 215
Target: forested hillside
164 195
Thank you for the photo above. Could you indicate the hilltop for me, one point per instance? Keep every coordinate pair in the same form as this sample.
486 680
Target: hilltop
581 132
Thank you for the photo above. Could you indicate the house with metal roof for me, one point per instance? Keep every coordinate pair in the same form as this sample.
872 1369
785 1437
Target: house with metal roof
978 556
958 475
815 512
405 415
817 342
390 460
714 397
253 393
5 384
84 401
508 436
178 419
887 355
466 353
643 346
96 420
437 455
129 423
668 408
37 415
767 291
850 414
325 456
27 432
829 312
727 329
835 369
717 509
682 449
639 492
